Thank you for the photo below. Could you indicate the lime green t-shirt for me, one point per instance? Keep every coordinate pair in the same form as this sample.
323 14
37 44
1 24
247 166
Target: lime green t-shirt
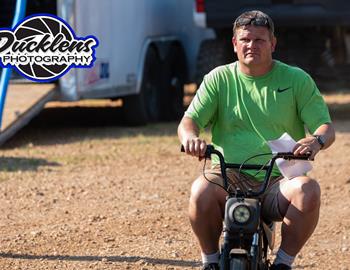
245 112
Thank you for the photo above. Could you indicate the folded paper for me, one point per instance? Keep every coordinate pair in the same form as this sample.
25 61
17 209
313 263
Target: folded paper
289 168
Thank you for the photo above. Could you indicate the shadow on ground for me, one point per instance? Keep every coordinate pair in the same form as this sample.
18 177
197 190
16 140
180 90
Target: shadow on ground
339 111
67 125
121 259
14 164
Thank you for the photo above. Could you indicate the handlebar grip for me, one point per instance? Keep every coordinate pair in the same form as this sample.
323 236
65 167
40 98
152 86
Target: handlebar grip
290 155
208 151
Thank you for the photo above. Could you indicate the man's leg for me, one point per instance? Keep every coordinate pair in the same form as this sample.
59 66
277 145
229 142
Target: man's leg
299 203
206 211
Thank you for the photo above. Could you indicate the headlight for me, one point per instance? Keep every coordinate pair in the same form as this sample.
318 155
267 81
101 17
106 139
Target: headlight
241 214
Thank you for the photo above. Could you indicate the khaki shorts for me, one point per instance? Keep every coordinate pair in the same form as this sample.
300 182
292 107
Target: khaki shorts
270 207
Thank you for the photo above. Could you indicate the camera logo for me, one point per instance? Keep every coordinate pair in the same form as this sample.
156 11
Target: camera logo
43 48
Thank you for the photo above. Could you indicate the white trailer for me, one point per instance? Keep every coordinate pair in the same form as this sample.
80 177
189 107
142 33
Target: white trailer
147 52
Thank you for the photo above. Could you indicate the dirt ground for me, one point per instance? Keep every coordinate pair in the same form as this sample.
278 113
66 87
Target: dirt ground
80 193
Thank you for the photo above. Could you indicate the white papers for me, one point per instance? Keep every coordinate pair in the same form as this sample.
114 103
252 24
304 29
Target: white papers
289 168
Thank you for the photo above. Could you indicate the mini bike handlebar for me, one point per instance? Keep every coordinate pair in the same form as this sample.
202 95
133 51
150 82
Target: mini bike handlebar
268 167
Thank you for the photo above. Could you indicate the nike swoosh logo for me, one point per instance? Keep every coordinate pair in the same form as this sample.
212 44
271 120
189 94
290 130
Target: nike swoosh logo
282 90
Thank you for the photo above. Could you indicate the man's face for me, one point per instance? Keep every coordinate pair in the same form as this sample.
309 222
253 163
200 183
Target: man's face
254 45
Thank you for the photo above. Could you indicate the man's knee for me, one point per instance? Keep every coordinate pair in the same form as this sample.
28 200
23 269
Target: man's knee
308 193
204 195
201 194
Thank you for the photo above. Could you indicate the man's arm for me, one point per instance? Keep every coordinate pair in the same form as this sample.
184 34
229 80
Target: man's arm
188 133
328 134
311 144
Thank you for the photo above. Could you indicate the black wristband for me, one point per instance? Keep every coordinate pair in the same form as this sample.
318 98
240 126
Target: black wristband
320 139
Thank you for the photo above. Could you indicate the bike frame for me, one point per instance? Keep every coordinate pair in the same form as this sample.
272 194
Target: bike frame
246 244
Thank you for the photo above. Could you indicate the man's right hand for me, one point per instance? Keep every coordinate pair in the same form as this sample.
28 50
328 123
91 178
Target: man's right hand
195 146
188 132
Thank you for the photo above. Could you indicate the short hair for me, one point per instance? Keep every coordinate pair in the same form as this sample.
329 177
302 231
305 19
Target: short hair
256 18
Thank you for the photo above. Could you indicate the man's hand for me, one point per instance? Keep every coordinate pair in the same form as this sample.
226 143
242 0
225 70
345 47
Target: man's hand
189 137
195 146
308 145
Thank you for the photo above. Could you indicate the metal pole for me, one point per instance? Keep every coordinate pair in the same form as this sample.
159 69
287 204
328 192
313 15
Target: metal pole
6 72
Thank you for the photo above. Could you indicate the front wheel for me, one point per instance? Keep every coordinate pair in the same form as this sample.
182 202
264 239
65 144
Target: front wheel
238 263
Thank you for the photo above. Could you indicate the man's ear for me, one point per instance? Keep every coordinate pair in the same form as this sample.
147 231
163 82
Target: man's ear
273 44
234 43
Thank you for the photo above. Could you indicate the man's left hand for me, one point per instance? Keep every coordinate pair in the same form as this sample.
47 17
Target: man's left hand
308 145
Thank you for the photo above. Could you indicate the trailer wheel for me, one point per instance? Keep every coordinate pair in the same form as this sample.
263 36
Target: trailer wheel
145 107
212 53
175 72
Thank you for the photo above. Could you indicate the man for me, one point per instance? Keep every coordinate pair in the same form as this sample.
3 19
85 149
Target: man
247 103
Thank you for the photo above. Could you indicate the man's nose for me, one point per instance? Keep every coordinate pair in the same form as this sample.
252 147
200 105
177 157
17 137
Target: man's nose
251 44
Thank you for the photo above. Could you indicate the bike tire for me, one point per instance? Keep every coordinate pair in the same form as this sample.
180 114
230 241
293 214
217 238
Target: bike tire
238 263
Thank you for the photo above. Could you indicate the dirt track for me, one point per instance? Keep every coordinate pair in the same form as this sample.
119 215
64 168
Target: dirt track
77 195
